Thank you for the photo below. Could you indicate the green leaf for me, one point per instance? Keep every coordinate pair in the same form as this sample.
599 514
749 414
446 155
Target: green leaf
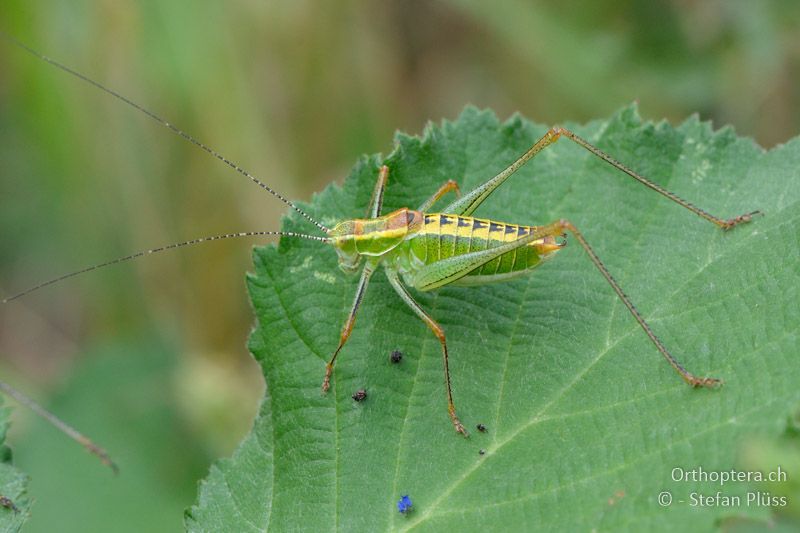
121 395
586 421
13 483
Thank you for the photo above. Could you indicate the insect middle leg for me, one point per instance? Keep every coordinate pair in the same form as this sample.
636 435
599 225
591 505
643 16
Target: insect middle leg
439 332
448 186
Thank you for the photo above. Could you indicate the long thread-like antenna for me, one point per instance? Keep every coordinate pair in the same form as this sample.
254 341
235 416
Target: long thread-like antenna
30 403
161 249
70 431
164 123
62 426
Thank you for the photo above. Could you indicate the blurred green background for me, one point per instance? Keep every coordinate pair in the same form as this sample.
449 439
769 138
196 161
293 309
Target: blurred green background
149 358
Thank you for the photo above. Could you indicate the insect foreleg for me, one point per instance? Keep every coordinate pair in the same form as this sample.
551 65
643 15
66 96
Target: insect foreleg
376 202
448 186
348 325
558 228
439 332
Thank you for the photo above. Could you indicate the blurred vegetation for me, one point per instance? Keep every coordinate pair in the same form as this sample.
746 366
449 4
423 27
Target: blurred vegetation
294 91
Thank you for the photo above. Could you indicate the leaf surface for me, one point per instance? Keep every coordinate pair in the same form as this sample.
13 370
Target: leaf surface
586 421
13 483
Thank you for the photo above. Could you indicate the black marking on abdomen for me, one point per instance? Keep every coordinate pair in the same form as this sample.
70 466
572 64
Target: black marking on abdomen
522 231
477 224
493 226
428 219
462 222
444 220
510 228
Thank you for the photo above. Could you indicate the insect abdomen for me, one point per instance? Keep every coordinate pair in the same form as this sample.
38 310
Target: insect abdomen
443 236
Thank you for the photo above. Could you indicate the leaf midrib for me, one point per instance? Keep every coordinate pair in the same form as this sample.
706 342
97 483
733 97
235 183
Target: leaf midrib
432 511
538 416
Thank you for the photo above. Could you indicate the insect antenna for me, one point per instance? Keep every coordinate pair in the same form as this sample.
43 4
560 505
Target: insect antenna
59 424
151 251
62 426
164 123
29 402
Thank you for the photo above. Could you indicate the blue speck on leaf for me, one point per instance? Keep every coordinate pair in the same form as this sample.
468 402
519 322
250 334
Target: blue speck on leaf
404 505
